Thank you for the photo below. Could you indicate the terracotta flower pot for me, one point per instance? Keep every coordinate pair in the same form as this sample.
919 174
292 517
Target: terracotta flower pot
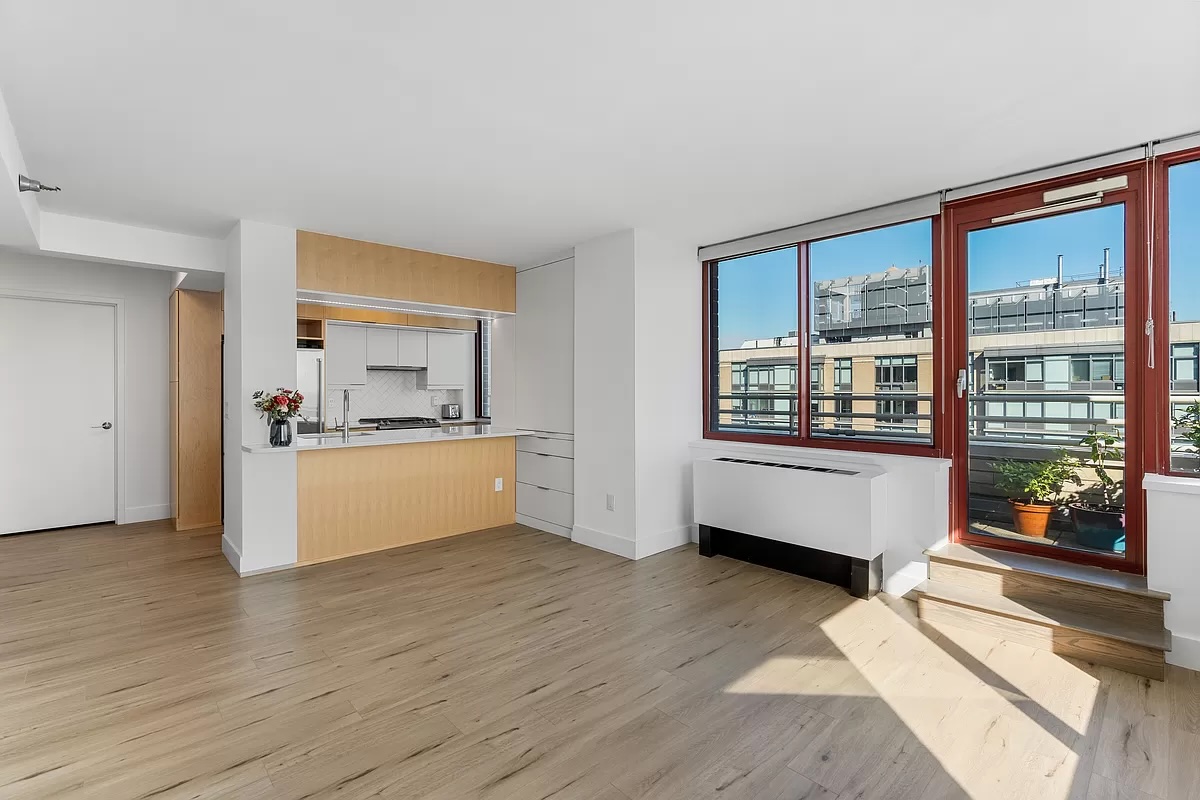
1031 519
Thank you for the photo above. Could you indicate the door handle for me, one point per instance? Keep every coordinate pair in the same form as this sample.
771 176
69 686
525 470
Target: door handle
106 426
961 386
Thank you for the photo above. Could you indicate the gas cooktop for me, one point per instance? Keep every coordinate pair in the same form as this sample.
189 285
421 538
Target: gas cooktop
399 423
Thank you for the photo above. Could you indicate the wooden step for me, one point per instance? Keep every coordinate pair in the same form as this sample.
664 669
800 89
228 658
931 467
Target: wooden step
1094 637
1084 589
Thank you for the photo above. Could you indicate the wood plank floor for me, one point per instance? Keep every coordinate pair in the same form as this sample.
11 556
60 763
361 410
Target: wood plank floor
514 664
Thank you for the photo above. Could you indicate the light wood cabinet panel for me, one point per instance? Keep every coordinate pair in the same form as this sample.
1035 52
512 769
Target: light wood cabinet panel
455 323
173 338
345 355
347 266
366 315
310 311
195 398
358 499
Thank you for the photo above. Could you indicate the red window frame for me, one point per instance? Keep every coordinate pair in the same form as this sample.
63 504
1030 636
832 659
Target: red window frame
1142 408
803 436
1160 389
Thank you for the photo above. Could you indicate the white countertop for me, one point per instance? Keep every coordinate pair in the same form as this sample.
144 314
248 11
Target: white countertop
334 441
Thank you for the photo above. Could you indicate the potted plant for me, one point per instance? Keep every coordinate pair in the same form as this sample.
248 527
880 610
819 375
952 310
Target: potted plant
1187 422
1033 488
279 407
1101 525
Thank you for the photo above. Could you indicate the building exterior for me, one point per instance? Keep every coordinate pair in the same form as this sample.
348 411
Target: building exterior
1047 362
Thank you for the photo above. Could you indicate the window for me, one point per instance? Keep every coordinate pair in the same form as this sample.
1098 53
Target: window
896 414
843 374
1183 251
753 315
871 298
483 362
868 302
895 372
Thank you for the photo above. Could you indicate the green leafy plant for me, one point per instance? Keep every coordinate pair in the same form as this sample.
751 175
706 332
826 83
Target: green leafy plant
1037 481
1187 421
1103 448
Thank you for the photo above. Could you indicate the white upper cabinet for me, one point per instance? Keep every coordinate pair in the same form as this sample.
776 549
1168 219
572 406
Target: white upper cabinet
345 355
411 348
383 347
545 348
447 361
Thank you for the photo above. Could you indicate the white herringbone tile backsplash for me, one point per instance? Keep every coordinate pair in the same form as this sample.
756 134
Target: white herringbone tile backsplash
391 393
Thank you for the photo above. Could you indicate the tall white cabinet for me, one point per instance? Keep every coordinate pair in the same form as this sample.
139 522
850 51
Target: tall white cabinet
544 395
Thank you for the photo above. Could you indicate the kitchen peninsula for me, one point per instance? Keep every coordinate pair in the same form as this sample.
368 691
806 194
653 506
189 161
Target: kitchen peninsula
376 490
394 329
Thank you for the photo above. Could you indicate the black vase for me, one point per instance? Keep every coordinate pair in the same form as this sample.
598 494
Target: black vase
281 433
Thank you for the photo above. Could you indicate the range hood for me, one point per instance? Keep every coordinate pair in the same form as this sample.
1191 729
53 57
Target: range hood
396 369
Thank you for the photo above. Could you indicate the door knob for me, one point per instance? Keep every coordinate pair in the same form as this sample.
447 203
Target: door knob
106 426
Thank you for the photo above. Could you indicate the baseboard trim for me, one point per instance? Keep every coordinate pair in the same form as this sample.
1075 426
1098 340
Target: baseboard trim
1185 652
906 579
660 542
146 513
232 554
542 525
609 543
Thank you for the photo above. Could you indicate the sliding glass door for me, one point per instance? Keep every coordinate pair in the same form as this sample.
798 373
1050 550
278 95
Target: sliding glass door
1049 287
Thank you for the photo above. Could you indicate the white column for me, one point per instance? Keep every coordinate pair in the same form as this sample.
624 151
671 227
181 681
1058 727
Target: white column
260 353
637 391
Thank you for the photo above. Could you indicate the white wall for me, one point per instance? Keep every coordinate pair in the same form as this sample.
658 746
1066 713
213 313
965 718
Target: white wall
1172 556
637 391
260 353
667 370
604 416
146 296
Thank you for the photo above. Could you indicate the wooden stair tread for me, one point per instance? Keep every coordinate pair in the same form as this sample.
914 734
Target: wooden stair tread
1006 561
1044 614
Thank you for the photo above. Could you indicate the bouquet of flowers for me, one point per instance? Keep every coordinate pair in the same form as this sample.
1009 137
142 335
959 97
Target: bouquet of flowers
281 404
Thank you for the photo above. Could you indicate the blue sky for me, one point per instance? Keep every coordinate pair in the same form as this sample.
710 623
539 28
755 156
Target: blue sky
758 293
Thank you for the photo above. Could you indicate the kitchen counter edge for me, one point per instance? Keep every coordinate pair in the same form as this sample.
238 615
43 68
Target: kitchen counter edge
385 438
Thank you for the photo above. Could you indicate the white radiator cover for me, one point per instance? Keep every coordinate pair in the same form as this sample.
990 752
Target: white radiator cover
831 511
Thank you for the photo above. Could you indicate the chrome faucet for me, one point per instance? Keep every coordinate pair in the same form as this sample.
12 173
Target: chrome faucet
346 414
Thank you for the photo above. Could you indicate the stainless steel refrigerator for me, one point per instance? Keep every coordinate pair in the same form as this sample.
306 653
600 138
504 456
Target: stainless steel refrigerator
310 381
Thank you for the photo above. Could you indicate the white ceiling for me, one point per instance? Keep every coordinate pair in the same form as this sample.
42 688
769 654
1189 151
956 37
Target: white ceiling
512 130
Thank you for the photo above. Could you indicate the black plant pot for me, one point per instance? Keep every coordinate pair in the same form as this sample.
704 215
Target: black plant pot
281 433
1099 526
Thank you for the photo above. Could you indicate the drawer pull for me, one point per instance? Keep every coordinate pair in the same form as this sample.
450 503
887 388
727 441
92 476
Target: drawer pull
544 488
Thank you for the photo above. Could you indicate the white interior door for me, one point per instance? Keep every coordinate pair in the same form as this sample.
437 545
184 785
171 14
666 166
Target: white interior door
57 393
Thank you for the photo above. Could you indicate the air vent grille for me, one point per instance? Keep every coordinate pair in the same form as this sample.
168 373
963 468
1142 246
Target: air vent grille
803 467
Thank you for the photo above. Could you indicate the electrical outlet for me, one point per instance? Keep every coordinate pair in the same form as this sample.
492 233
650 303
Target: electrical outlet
226 409
499 484
610 502
434 400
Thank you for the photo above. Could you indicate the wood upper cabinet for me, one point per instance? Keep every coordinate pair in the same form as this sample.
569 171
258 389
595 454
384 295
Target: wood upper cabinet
366 269
195 407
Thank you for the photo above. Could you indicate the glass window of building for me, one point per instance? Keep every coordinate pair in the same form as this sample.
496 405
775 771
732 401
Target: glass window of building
753 322
1183 249
870 296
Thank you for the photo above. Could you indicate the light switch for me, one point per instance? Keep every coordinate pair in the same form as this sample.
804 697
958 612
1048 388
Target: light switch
610 502
499 484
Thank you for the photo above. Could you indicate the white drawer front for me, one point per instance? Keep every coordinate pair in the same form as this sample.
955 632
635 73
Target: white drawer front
546 504
547 445
553 472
